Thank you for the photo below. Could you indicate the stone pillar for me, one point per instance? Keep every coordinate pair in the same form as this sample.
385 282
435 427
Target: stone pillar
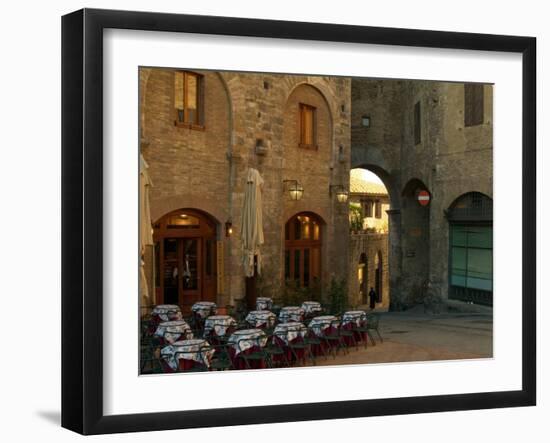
395 258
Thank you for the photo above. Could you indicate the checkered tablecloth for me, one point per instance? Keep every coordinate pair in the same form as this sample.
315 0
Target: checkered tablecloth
291 313
195 349
261 318
167 312
172 331
204 308
219 324
245 339
319 324
264 303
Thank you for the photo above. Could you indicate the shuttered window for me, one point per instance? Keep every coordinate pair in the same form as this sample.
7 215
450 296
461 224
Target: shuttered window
308 126
188 99
473 104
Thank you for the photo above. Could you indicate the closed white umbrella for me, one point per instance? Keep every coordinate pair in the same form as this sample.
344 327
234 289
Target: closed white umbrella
145 228
252 233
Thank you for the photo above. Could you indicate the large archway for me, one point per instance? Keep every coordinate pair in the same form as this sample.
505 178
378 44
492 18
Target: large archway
185 258
372 222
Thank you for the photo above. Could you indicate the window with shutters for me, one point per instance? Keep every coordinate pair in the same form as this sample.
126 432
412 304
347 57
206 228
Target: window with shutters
473 104
189 99
367 208
308 130
417 125
378 209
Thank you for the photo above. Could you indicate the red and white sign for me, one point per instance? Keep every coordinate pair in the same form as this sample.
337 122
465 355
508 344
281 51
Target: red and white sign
423 198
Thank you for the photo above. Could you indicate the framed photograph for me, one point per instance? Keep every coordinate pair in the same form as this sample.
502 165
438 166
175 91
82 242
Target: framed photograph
269 221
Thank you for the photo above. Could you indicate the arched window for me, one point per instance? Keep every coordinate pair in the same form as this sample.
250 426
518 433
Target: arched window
303 249
471 248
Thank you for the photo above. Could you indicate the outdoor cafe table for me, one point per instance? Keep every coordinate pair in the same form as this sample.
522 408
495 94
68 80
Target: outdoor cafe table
291 313
245 340
204 308
171 331
264 303
261 319
185 354
218 325
291 332
352 319
166 313
320 324
311 307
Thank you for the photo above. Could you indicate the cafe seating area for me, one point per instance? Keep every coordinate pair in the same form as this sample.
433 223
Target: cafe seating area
267 337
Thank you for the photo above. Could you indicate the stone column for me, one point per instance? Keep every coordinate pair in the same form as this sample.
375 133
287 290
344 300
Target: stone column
395 257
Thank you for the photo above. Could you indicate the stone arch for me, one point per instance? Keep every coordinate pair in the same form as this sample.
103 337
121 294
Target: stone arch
162 206
292 84
304 239
453 199
394 261
413 185
389 181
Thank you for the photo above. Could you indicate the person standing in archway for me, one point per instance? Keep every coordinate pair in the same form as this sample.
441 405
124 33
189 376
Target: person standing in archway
372 298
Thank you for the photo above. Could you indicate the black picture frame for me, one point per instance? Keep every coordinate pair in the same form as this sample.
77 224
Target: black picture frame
82 218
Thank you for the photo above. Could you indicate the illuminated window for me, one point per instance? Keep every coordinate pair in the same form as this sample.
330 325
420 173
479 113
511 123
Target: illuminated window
308 133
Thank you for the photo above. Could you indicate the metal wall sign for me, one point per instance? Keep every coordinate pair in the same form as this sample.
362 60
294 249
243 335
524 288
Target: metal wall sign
423 198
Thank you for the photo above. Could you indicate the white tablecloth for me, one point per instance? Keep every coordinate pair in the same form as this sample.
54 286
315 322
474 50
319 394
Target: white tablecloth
219 324
290 331
196 349
167 312
246 339
264 303
173 330
260 318
357 317
311 307
291 313
319 324
204 308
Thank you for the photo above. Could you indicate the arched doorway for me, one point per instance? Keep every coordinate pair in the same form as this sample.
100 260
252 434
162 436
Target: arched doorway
303 242
471 248
378 276
185 255
363 280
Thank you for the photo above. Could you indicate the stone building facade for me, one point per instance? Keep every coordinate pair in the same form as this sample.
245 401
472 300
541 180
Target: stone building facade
198 160
201 131
435 137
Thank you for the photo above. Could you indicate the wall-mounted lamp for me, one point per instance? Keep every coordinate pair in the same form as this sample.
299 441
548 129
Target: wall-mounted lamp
340 191
228 228
295 189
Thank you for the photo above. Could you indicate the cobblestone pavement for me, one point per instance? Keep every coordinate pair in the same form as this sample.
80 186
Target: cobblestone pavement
415 336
